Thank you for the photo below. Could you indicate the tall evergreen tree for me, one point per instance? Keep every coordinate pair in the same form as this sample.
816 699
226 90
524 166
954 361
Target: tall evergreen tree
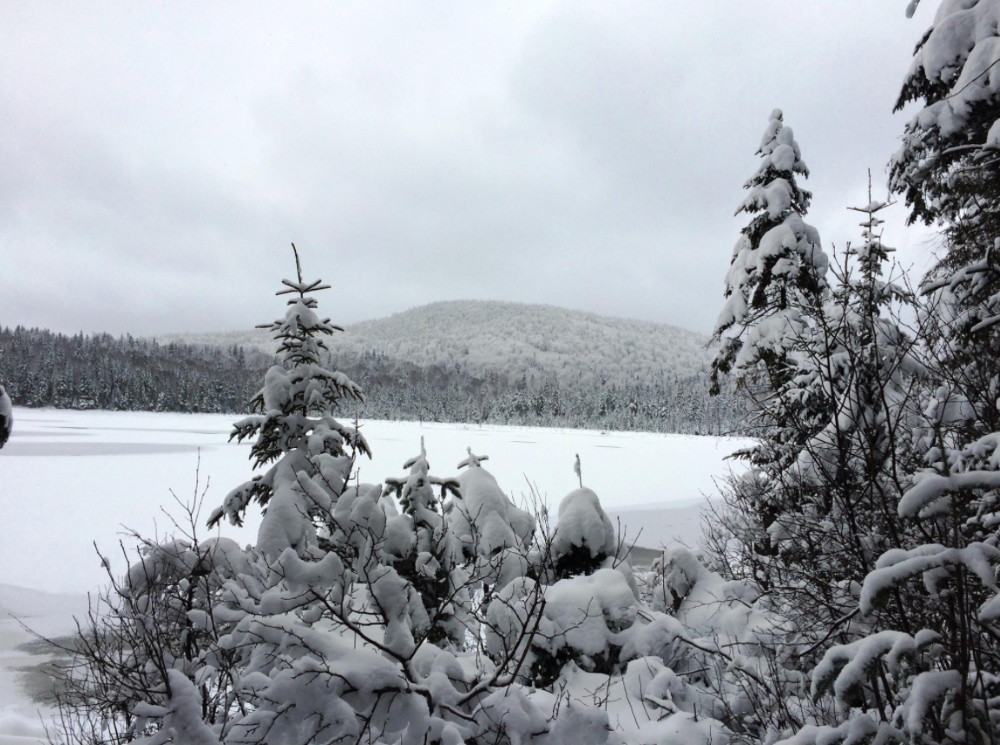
778 266
776 286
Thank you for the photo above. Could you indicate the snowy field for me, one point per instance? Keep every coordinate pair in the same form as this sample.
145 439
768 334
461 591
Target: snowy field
69 479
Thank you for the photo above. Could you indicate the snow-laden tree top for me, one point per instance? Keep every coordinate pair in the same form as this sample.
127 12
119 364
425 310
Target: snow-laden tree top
955 75
777 261
959 55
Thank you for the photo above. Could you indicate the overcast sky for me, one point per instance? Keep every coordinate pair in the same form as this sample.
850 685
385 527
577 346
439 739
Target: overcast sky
156 159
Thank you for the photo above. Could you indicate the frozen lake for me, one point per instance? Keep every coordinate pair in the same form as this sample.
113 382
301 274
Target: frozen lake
69 478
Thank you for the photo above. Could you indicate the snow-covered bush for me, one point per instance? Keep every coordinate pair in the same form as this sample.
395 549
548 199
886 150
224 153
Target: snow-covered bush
585 537
6 416
426 553
154 636
590 595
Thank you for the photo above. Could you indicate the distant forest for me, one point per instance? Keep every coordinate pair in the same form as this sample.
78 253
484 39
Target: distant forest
40 368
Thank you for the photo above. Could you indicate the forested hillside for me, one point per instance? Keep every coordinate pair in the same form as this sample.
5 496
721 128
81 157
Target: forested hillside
513 340
492 363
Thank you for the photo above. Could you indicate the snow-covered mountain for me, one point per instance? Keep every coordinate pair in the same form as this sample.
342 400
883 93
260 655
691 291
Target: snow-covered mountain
512 339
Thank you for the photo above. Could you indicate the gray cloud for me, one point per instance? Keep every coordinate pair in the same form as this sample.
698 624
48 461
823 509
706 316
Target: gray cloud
155 160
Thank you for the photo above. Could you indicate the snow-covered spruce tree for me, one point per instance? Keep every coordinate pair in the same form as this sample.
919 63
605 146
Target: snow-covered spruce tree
775 286
311 452
949 170
776 281
778 267
851 390
484 517
861 365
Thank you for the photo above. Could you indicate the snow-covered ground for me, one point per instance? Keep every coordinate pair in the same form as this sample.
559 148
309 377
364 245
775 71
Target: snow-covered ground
22 720
72 478
69 479
655 525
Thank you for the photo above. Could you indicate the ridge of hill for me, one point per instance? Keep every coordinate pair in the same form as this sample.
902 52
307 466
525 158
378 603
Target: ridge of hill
512 339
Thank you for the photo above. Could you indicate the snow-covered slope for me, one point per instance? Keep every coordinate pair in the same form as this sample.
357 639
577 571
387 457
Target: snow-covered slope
513 339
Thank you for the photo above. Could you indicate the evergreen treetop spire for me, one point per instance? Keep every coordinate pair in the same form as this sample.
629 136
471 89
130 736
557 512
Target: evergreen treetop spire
774 191
300 333
778 263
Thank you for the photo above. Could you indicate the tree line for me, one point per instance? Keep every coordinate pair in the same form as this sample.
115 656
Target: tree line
41 368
